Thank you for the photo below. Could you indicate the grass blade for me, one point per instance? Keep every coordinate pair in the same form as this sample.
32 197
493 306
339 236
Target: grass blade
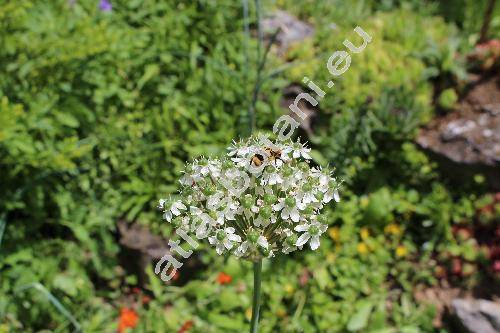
3 222
52 299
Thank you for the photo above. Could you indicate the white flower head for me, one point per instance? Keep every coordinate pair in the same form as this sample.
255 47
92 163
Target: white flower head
263 198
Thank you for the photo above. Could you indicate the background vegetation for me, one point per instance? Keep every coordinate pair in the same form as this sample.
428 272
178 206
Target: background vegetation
99 110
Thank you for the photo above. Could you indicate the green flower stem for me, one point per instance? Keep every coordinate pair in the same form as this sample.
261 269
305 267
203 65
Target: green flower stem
257 278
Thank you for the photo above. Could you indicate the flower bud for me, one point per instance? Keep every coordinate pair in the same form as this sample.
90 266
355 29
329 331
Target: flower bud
292 240
253 236
308 210
270 198
265 252
323 219
287 171
266 212
303 166
177 222
313 230
290 202
247 201
221 235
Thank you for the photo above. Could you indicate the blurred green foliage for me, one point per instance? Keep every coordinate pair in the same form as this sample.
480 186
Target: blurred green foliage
99 111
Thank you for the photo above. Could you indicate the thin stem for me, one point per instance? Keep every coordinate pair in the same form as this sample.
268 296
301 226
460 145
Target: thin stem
257 278
483 36
260 37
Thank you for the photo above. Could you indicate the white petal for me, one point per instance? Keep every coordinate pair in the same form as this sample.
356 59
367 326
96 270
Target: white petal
228 244
301 205
229 230
314 242
294 214
167 216
336 196
277 207
244 246
202 231
195 210
262 241
302 227
328 197
234 238
303 239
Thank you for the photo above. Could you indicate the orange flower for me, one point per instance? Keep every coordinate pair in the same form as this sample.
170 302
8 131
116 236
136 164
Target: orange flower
224 278
186 326
128 319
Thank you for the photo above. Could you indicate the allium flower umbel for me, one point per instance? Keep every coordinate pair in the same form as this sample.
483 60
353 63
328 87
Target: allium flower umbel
263 198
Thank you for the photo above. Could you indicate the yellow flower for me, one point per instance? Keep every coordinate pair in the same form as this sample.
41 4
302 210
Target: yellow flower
330 257
362 248
248 314
281 313
364 233
401 251
393 229
334 233
289 289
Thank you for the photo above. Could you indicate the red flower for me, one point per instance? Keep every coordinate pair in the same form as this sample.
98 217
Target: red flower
456 266
224 278
496 266
186 326
146 299
128 319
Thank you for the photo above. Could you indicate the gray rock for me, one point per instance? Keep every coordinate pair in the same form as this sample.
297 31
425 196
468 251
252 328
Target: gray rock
466 142
291 29
477 316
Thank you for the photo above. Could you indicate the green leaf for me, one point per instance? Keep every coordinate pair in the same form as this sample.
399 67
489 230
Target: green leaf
323 277
66 284
3 222
52 299
226 322
67 119
149 73
229 300
360 319
318 157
